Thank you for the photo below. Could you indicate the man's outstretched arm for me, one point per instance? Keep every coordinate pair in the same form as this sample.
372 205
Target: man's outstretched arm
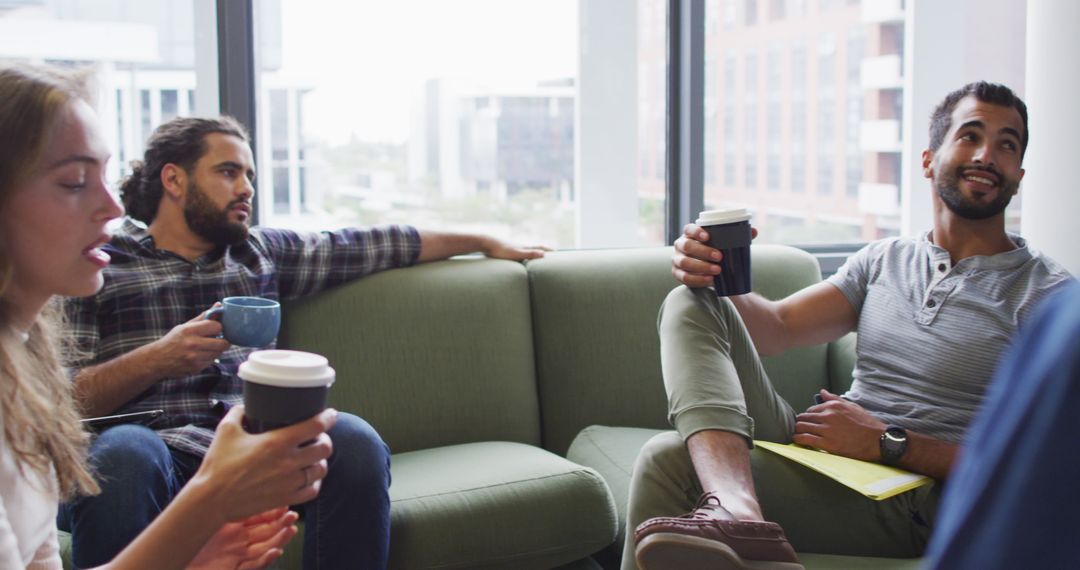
441 245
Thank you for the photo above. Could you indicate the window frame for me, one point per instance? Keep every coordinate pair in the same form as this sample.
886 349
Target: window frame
237 72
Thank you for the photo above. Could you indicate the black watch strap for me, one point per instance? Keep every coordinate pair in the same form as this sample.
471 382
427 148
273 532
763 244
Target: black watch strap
894 442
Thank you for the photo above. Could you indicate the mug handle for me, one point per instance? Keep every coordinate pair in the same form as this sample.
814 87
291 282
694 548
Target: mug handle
215 313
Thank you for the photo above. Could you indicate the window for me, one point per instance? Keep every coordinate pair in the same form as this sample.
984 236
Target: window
775 136
388 117
832 97
751 12
795 8
801 177
145 60
822 83
730 110
777 9
798 117
750 119
146 115
826 123
854 105
170 104
730 14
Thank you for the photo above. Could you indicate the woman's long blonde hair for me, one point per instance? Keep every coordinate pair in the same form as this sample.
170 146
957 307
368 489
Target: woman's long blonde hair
40 420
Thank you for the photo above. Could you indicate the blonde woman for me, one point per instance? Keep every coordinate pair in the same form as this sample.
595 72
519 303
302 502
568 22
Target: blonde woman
53 210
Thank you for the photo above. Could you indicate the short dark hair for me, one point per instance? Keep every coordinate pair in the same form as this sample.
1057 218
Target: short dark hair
994 93
181 142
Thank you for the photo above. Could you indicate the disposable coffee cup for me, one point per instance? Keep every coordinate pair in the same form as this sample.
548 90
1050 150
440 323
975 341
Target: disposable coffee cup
283 387
729 231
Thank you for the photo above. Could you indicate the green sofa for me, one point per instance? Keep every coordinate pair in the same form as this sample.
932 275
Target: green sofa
481 375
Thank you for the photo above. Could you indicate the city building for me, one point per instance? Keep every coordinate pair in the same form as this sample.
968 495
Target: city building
802 115
499 143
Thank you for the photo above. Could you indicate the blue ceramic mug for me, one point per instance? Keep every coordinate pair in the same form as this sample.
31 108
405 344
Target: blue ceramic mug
248 321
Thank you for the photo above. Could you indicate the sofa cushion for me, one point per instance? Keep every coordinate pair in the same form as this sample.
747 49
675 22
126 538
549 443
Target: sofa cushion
431 355
611 452
495 505
598 361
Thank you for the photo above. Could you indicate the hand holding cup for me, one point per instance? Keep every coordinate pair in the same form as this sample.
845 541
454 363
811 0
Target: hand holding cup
251 473
699 258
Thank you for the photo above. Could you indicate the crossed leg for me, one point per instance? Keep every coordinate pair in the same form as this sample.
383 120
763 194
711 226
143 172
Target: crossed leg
720 399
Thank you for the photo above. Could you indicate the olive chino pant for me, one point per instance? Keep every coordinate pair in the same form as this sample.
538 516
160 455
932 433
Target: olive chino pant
715 380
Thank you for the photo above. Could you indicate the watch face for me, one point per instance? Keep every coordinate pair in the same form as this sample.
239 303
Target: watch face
893 444
897 435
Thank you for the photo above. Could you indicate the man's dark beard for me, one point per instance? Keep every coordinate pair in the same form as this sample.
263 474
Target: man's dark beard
210 223
948 188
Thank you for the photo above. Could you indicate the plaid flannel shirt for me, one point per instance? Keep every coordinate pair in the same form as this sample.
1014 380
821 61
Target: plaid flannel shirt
149 291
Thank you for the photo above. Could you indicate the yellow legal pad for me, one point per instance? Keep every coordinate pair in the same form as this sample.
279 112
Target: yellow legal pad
874 480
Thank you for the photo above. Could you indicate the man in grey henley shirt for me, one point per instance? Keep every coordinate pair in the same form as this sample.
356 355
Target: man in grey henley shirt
933 313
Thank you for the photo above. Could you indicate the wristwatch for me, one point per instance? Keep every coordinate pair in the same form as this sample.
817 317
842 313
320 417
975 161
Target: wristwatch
893 444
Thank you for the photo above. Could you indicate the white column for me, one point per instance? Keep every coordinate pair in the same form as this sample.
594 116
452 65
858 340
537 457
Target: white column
292 130
450 94
948 44
1051 196
207 103
108 113
606 125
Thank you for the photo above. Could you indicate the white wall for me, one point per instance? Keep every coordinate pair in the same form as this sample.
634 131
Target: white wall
948 43
1050 192
606 125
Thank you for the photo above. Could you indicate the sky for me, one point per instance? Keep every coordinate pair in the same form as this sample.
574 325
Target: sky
368 59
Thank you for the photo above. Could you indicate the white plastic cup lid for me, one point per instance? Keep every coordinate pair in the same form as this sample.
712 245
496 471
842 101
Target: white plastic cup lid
287 369
726 216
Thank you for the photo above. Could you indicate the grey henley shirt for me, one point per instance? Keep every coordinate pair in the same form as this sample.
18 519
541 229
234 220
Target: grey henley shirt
930 333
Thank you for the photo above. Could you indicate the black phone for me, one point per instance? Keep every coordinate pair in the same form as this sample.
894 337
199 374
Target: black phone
143 418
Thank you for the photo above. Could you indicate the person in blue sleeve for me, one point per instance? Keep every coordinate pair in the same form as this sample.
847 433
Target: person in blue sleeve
1011 502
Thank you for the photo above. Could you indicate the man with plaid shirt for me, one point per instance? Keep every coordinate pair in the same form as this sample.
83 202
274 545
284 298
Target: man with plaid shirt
145 343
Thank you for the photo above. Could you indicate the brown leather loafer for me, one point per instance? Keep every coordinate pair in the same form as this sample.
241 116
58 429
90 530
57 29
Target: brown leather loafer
708 537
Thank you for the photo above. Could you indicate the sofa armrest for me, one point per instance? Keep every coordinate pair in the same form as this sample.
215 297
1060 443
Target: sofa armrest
841 362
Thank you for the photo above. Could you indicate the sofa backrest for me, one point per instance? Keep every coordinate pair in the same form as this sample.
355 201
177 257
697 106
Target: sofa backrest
475 349
598 355
432 355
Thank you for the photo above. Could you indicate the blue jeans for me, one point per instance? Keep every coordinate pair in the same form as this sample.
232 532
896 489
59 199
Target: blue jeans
346 526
